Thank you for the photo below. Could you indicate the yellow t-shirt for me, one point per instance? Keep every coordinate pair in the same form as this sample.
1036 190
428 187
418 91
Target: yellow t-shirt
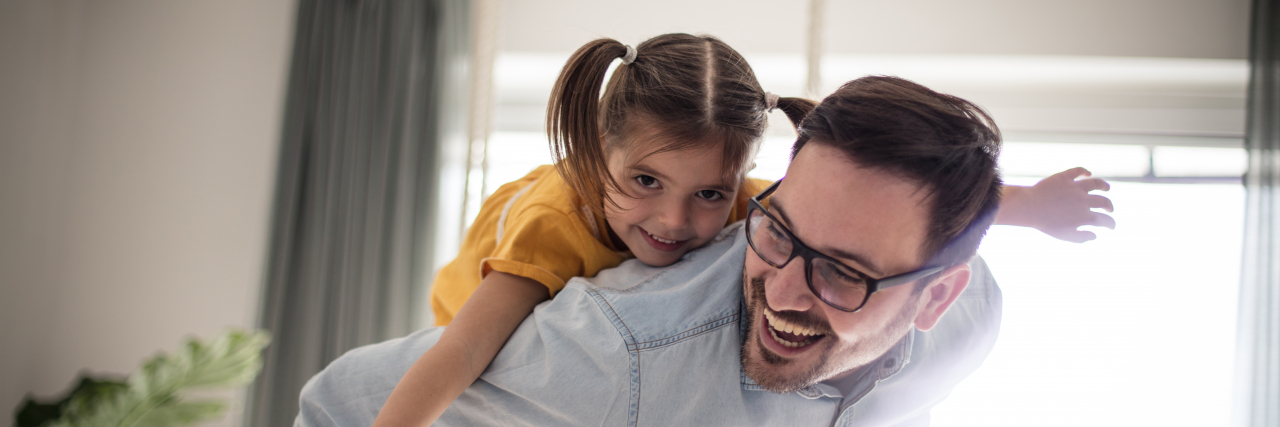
533 227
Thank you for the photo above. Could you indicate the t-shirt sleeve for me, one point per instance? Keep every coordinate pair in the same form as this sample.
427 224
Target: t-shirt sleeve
544 245
750 188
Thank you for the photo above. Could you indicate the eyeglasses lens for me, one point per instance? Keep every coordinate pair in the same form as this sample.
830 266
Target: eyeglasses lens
831 282
837 285
769 241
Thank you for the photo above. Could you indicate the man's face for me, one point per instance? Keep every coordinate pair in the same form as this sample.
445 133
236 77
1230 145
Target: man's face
868 219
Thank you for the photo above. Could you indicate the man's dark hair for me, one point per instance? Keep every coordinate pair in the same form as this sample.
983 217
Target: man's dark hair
945 144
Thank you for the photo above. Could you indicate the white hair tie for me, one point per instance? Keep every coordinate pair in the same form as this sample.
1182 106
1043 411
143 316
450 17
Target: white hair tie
630 56
770 101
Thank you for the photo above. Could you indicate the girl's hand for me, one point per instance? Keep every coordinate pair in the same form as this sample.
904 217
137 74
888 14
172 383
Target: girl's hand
1059 205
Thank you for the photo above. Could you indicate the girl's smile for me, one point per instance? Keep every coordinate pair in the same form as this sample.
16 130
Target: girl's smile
660 243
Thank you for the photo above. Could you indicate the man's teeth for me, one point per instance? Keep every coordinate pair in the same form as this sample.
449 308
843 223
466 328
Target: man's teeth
784 342
669 242
790 328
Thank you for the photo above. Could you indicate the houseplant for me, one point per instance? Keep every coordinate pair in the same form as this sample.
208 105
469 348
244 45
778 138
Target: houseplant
152 396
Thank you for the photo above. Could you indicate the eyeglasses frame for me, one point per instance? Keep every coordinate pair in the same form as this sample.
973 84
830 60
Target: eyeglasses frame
803 251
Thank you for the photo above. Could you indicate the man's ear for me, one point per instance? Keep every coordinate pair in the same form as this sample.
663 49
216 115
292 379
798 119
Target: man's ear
938 296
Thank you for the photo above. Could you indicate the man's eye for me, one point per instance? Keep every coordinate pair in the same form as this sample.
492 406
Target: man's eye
848 278
711 195
647 181
840 277
775 232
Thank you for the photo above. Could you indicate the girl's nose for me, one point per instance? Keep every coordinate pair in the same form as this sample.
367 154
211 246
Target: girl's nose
676 216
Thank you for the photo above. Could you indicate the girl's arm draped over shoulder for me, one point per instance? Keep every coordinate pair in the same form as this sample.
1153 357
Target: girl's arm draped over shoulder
465 349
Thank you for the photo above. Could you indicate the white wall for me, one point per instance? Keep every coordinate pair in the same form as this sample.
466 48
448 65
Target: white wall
138 142
1216 29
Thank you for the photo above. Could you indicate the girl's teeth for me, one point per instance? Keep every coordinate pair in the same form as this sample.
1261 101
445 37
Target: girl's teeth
669 242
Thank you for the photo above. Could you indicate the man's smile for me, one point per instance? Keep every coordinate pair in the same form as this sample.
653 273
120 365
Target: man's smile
786 338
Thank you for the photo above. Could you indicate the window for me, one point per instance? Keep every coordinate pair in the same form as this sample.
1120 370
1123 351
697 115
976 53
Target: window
1116 331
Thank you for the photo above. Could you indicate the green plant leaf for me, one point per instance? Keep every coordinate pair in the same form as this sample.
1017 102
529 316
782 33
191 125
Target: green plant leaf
152 398
33 414
88 392
231 360
181 413
103 412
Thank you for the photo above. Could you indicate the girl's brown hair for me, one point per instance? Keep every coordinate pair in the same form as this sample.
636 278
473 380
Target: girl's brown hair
690 89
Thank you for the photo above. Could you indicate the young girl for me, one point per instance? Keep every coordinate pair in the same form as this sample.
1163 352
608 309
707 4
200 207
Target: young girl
652 168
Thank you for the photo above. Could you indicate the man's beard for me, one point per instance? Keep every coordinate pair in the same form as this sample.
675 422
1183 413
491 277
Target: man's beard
834 357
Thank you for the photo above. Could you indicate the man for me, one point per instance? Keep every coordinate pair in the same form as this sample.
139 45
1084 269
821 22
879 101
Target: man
810 313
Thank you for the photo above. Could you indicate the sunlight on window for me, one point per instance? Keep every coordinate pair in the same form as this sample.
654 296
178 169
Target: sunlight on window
1199 161
1043 159
513 155
1134 328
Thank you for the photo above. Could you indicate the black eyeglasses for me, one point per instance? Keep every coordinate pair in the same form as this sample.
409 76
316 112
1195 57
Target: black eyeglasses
836 284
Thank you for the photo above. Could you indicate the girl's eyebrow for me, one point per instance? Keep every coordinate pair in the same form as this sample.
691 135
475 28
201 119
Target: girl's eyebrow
649 171
727 189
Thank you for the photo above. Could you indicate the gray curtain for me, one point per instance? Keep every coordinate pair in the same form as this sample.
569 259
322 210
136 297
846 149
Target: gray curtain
371 100
1258 352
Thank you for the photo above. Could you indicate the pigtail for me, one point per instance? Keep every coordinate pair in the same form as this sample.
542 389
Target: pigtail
573 121
796 109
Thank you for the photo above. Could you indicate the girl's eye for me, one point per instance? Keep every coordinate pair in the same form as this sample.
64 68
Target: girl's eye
711 195
647 181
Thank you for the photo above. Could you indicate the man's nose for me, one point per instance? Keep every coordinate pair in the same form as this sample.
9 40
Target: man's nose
789 290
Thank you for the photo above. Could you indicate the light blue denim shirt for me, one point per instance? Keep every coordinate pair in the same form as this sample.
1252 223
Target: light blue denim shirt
639 345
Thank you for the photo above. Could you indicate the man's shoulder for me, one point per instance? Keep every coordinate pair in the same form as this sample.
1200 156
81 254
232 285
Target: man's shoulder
352 389
703 289
590 335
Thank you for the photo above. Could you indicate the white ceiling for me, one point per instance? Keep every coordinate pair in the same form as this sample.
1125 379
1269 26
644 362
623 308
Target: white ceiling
564 25
1150 28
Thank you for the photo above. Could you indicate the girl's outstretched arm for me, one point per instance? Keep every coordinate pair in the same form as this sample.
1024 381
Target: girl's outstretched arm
1058 205
465 349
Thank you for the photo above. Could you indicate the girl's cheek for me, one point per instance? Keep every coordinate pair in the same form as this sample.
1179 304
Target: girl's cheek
622 204
710 221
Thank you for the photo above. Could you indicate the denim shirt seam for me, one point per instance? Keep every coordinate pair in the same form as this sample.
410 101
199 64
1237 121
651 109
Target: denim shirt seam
642 282
688 333
633 352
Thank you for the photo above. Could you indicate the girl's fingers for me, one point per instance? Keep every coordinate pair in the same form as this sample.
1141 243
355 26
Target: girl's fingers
1100 219
1077 236
1100 202
1071 174
1092 184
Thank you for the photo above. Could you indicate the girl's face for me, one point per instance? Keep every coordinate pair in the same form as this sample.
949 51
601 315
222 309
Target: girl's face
675 201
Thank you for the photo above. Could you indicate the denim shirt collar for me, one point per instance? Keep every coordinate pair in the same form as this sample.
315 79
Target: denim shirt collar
885 366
